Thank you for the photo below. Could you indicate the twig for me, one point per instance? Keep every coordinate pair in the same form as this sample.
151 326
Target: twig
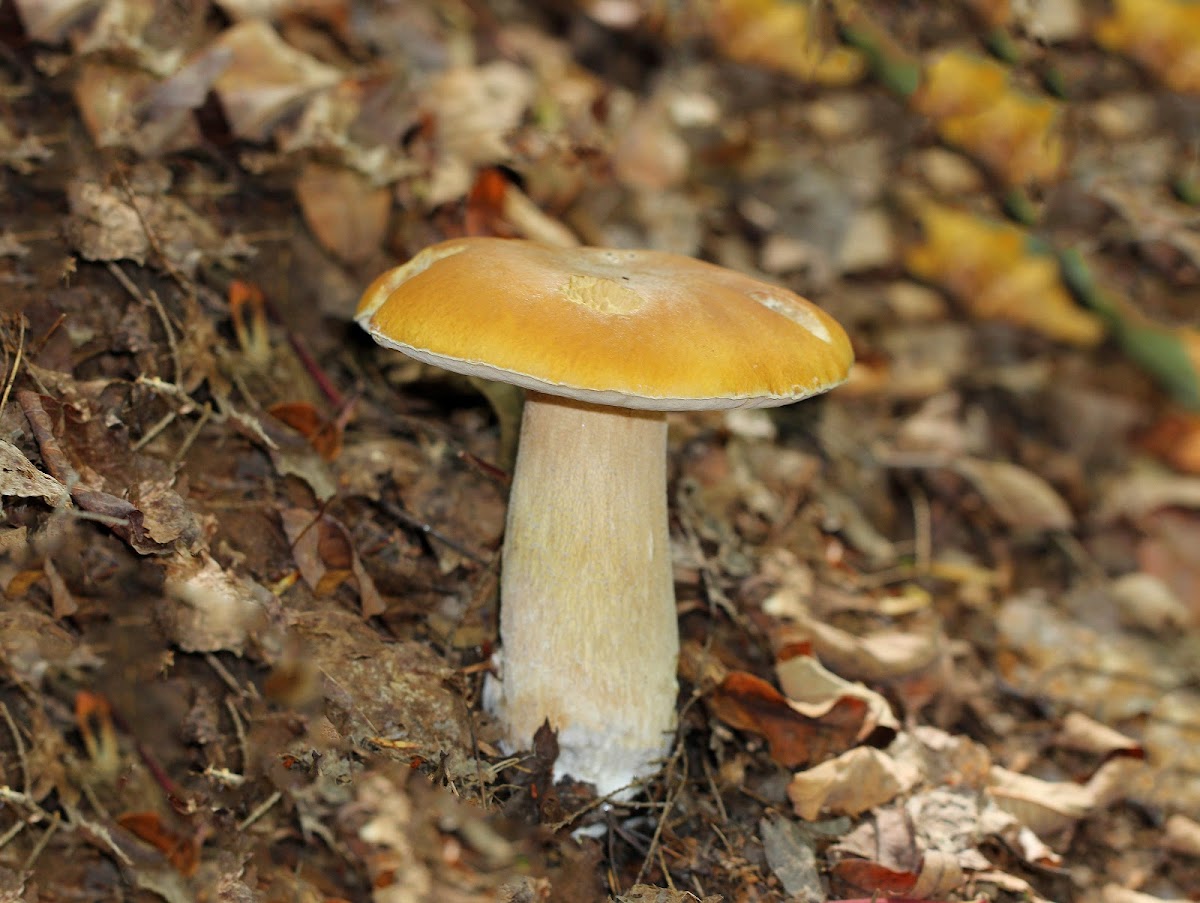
432 532
262 809
151 298
19 743
229 680
240 730
12 374
157 427
38 847
98 831
193 434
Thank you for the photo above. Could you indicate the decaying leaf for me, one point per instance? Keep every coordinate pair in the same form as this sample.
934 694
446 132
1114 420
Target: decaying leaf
347 214
1015 135
266 78
883 856
207 609
993 270
18 477
814 690
1019 497
1162 35
857 780
1080 732
476 110
749 703
782 36
792 856
181 851
326 557
1046 807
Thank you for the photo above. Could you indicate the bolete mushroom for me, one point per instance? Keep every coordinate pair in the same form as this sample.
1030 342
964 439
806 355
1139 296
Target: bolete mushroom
605 341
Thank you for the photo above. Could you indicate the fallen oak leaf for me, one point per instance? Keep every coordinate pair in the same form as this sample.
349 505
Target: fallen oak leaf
749 703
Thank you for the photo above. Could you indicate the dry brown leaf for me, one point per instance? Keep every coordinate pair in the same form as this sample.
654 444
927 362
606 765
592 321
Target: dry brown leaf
208 609
1046 807
345 212
749 703
48 20
61 598
857 780
19 478
182 851
1182 835
1019 497
326 557
1146 602
1115 893
1085 734
266 78
884 856
1145 490
476 110
877 658
813 690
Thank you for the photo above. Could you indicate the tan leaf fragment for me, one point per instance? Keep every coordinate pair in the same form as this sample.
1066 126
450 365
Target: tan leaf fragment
854 782
1146 490
1020 498
1182 835
1145 601
1046 807
48 20
207 609
346 214
326 557
266 78
18 477
476 109
813 690
1115 893
1085 734
62 600
879 657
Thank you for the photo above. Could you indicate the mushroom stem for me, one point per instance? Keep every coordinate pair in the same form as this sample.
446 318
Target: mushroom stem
587 620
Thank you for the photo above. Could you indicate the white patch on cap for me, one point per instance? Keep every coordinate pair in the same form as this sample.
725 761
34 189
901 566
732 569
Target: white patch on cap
605 296
797 313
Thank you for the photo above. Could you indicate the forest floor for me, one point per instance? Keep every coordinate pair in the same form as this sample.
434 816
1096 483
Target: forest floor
939 628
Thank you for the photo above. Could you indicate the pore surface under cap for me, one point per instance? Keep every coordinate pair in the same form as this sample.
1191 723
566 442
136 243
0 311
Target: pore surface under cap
637 329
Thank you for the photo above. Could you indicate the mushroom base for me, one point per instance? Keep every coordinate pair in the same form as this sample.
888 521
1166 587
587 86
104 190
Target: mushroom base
587 620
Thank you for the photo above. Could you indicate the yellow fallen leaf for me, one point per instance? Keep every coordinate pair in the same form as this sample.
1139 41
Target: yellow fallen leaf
780 35
990 268
1161 35
975 108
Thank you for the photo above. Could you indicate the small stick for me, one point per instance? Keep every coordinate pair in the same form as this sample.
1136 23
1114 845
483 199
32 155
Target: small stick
12 374
261 810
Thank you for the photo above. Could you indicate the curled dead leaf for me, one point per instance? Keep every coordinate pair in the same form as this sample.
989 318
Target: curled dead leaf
857 780
749 703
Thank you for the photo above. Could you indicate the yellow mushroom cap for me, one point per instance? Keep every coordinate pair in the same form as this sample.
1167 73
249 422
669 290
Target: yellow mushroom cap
634 329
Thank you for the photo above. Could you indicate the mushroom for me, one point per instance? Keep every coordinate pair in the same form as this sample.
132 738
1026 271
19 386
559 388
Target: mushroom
604 341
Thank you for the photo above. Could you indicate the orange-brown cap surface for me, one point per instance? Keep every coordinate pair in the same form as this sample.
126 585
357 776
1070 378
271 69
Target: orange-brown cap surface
634 329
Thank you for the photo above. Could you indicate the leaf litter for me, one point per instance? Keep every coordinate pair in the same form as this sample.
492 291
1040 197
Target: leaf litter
939 628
